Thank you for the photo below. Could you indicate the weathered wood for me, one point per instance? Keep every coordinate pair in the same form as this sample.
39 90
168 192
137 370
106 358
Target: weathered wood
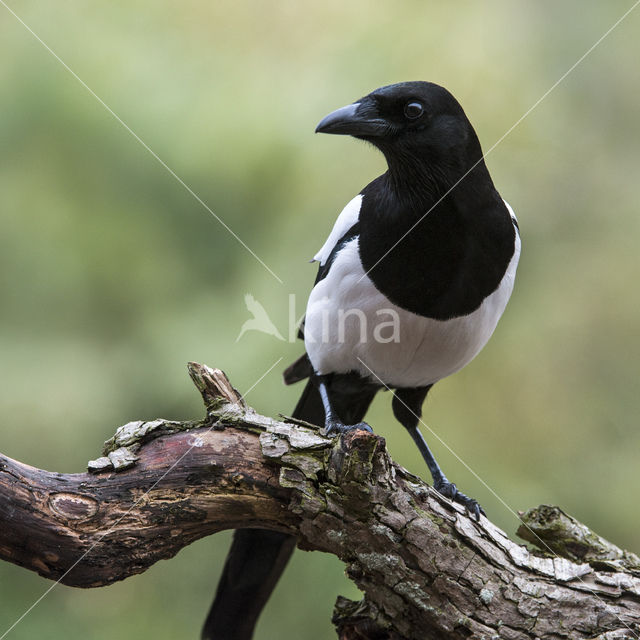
427 570
90 530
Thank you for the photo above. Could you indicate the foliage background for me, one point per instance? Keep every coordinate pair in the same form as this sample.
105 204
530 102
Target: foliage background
112 276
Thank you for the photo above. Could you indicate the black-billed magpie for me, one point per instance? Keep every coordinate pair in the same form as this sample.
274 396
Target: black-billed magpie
411 283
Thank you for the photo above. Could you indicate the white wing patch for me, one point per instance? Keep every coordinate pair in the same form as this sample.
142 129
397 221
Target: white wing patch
511 213
347 218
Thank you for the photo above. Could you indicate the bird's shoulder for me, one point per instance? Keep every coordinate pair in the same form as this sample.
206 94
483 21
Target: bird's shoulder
345 228
346 220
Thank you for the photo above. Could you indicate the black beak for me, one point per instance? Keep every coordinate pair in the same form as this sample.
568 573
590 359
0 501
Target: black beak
357 119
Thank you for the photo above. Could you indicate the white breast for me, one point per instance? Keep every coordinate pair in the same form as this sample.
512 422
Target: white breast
351 326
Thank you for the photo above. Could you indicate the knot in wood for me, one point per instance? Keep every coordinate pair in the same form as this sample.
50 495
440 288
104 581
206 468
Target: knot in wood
73 506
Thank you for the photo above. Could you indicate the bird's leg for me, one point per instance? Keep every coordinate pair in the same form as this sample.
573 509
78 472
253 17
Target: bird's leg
332 422
440 481
407 408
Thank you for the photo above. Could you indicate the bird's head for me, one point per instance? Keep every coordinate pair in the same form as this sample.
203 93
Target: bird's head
411 122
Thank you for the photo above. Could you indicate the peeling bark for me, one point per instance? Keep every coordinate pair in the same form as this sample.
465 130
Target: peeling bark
427 570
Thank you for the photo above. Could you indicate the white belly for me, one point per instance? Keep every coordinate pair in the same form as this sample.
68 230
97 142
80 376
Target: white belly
351 326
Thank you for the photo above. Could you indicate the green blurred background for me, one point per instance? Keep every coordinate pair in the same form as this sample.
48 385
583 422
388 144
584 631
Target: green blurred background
112 276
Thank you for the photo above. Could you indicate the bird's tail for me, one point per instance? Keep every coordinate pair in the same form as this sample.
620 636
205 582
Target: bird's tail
255 561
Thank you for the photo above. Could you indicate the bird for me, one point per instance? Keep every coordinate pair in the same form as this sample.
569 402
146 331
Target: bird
431 246
260 321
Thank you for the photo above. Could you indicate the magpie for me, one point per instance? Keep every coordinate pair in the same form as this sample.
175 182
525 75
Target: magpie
411 283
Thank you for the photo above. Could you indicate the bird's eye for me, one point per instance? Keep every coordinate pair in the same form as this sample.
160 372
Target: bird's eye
413 110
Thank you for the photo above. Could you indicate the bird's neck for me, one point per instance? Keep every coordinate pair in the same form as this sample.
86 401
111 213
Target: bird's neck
423 181
410 180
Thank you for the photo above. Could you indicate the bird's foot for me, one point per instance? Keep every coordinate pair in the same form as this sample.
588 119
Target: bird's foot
449 490
335 427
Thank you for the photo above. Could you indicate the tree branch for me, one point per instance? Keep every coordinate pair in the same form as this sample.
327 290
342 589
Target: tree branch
427 570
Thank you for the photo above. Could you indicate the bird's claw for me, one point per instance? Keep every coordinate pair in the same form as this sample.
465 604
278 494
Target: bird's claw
337 428
449 490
